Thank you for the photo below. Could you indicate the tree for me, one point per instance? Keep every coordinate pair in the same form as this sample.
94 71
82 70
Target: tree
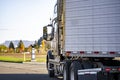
21 46
43 44
36 45
11 47
39 41
29 49
47 45
3 48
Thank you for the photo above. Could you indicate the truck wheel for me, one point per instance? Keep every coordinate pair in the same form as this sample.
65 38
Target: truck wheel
66 75
50 71
49 56
75 66
49 65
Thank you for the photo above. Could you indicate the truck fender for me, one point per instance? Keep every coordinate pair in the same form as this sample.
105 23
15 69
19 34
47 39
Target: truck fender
75 66
49 55
66 71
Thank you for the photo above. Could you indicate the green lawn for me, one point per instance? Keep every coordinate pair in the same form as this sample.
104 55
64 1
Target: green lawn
11 59
17 59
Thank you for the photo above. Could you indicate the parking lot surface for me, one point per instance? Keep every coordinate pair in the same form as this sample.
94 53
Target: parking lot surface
24 71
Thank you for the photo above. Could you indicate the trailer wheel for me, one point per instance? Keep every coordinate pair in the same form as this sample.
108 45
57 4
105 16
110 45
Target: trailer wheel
66 72
75 66
87 64
110 76
116 76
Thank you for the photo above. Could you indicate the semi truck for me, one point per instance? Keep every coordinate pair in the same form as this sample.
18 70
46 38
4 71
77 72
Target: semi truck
85 40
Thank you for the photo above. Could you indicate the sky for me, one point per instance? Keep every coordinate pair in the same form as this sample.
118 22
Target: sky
24 19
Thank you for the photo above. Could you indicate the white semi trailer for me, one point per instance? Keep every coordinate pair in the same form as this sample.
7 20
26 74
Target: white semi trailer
85 40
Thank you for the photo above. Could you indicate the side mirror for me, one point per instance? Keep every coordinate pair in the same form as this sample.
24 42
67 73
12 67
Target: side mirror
48 32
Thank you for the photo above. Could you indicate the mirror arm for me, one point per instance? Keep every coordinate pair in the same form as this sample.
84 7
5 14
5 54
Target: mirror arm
49 25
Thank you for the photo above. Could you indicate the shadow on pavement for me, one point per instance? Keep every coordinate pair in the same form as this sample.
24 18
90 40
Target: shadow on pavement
26 77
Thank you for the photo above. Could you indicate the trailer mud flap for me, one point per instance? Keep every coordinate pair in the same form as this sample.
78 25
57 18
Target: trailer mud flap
88 74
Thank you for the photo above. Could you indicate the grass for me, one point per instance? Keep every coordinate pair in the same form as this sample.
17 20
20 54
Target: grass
17 59
41 59
11 59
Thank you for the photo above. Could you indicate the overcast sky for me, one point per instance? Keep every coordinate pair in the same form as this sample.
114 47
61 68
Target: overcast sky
24 19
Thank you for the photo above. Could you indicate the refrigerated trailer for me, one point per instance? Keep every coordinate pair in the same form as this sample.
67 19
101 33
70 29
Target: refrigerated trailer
85 40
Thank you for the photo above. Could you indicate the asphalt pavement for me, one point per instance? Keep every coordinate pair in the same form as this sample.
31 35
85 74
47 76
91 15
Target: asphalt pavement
24 71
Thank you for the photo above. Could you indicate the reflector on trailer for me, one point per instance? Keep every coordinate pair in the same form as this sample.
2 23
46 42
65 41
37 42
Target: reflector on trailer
82 52
107 69
112 52
68 53
118 69
96 52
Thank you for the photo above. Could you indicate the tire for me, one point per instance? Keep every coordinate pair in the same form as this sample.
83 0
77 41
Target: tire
50 70
118 76
66 75
110 76
49 65
87 64
51 73
75 66
101 75
49 56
